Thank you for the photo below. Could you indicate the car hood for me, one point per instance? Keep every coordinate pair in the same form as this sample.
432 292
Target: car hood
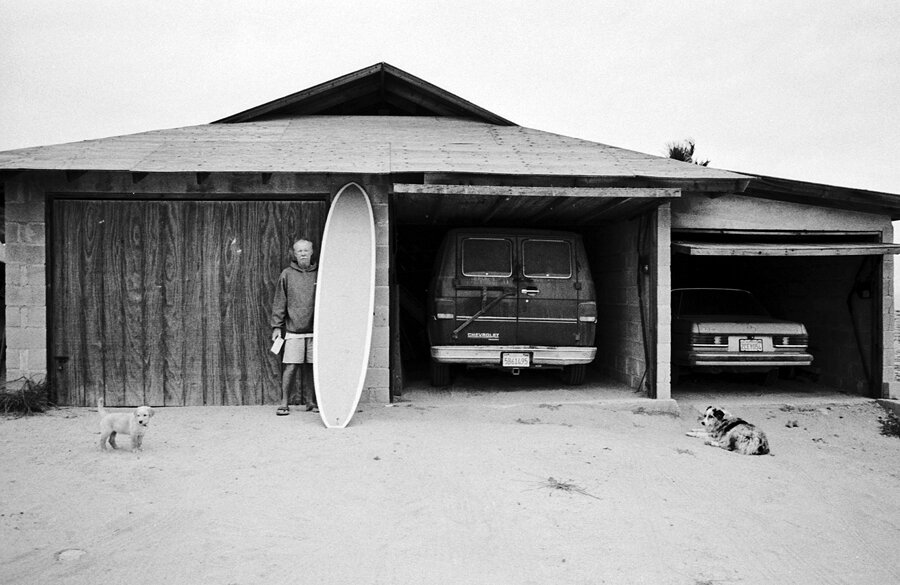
745 324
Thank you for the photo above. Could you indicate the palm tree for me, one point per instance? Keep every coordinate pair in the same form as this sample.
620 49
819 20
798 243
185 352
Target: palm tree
684 151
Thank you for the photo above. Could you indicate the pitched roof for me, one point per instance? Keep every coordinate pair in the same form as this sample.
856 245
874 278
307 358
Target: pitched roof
833 196
378 90
359 144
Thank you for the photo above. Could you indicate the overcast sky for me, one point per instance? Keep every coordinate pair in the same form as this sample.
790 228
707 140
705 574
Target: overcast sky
804 89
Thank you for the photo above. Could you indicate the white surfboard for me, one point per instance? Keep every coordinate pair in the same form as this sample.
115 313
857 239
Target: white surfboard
345 304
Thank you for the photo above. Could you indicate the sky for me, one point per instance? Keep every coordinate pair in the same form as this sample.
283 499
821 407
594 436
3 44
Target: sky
799 89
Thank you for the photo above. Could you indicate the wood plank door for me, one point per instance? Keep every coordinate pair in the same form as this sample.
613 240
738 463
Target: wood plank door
167 302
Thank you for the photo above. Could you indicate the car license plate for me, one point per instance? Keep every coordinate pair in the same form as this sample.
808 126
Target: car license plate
751 345
515 360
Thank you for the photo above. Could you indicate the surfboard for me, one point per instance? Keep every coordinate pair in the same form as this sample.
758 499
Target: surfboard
345 303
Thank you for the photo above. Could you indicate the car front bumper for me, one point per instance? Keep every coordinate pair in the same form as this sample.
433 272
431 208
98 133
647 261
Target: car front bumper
490 355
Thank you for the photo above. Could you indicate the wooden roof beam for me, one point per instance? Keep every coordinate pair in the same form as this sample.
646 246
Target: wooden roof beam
504 191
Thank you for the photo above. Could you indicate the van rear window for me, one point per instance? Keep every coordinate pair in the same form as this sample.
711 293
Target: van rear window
486 257
547 259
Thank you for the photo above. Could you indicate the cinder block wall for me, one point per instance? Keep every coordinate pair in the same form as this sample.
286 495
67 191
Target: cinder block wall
613 255
26 262
661 271
896 364
26 290
378 378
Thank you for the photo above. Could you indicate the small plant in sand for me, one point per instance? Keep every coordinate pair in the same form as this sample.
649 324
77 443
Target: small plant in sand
31 398
567 486
890 425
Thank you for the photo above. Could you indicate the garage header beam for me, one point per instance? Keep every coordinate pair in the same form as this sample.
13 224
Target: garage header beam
707 249
504 191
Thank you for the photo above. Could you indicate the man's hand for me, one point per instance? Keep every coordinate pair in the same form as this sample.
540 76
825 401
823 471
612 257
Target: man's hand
276 333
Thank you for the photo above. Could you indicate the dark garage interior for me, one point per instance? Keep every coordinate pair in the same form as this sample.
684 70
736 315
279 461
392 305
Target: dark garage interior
836 297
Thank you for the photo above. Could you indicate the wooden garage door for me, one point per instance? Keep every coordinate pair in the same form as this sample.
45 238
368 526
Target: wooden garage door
168 302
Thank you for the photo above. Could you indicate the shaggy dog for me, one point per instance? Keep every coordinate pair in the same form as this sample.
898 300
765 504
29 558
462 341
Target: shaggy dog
731 433
127 423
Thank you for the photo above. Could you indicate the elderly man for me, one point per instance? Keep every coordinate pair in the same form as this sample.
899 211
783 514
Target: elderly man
292 316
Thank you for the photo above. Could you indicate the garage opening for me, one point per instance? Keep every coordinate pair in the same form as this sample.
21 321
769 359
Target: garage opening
831 283
609 231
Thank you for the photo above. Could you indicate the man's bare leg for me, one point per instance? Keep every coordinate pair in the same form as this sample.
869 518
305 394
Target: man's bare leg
288 379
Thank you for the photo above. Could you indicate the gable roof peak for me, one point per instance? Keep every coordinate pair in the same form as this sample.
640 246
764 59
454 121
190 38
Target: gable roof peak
378 90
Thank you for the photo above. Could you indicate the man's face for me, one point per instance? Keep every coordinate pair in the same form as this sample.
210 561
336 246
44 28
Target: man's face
303 252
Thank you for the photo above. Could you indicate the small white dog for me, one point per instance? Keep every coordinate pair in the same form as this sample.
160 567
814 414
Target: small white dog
127 423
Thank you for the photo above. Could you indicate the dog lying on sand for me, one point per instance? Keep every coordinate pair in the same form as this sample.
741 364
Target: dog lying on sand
126 423
730 433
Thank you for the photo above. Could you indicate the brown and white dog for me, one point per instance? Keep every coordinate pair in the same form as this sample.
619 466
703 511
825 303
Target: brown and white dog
126 423
730 433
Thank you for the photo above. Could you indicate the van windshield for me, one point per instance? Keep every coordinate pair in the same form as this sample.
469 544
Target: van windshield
547 259
486 257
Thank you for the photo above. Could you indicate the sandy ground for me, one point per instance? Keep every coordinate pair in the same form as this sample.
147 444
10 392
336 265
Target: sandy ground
461 487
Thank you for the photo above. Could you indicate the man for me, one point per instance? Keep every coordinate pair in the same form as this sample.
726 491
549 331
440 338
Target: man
292 312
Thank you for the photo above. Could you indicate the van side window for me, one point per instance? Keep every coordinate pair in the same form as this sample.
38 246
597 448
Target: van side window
547 259
486 257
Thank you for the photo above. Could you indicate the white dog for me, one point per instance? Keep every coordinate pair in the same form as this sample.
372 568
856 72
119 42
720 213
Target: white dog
127 423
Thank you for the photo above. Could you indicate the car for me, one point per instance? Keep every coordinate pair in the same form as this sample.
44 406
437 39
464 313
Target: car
728 330
514 299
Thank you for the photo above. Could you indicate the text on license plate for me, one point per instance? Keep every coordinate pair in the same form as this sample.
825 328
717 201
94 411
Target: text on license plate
751 345
515 360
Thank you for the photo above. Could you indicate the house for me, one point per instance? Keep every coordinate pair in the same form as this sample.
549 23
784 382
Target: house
141 267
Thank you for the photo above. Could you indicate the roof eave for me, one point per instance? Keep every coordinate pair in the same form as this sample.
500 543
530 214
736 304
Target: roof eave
822 195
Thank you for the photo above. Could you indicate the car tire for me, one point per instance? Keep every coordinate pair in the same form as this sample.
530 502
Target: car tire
574 375
439 374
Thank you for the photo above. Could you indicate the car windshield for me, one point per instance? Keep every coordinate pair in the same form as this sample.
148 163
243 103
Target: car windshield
715 302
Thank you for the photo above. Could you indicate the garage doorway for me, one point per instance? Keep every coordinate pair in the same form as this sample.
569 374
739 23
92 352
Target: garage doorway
832 283
610 232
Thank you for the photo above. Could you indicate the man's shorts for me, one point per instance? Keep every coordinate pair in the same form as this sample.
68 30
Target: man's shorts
298 348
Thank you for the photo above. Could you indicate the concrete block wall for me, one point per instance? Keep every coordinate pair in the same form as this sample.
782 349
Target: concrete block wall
896 364
378 379
612 250
889 389
661 281
26 284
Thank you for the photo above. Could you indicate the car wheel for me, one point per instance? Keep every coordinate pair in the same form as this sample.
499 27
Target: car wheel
440 374
574 375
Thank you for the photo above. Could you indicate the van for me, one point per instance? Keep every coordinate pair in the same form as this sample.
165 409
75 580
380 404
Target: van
513 299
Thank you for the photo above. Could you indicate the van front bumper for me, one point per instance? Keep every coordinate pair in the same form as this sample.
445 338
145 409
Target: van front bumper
490 355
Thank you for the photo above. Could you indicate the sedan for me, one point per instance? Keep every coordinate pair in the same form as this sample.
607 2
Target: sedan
725 329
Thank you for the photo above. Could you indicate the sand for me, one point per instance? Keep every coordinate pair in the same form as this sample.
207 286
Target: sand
461 488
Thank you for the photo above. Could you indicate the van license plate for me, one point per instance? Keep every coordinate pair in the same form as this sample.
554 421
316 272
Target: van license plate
515 360
751 344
